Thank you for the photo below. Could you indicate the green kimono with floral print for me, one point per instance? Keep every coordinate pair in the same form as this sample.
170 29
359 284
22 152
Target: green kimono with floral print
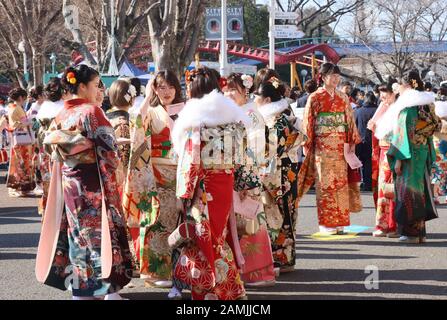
412 144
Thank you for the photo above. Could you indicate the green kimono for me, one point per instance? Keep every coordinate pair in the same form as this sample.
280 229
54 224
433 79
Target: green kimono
413 145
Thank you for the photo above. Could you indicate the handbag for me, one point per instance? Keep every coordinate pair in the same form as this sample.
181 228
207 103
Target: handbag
21 137
193 268
388 190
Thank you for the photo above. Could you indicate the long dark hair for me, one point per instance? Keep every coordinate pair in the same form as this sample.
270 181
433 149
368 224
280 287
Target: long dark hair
171 79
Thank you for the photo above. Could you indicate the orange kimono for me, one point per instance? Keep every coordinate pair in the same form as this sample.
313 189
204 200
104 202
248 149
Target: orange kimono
329 124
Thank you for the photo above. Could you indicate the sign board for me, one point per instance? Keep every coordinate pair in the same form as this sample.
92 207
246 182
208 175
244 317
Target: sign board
280 15
288 32
235 23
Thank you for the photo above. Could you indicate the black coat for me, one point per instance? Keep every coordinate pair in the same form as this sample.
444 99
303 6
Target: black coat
362 116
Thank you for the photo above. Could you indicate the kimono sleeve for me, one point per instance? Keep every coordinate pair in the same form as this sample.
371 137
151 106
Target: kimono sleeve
189 165
15 118
309 120
101 132
245 178
400 148
352 134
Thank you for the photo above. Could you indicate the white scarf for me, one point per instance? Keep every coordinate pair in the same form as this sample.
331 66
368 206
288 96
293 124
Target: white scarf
271 110
410 98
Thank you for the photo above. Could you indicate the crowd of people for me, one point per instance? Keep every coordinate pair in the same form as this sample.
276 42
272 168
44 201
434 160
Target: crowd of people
199 189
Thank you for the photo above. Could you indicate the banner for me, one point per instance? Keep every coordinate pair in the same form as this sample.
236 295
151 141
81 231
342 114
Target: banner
235 23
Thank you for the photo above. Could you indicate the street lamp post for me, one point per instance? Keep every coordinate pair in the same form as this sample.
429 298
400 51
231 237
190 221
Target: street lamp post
53 58
21 48
431 74
304 75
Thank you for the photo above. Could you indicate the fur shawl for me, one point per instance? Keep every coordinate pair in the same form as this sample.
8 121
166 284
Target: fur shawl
49 110
271 110
441 109
212 110
409 98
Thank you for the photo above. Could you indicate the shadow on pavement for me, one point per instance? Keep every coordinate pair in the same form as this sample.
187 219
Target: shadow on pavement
308 281
19 211
17 256
19 240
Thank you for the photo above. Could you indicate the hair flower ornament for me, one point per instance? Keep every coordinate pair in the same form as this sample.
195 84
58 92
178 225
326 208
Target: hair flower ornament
414 83
247 81
71 78
131 93
275 82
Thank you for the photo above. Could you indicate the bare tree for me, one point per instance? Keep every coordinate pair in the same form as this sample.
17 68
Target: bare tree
399 34
129 17
33 22
314 15
174 29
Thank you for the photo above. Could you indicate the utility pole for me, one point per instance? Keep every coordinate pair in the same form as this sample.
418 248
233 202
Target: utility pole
272 35
223 40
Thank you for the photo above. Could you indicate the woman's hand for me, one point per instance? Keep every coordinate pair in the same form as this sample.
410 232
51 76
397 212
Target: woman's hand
150 88
371 125
398 167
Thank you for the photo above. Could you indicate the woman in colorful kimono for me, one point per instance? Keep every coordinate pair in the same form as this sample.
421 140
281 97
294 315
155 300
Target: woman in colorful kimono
153 207
21 175
440 141
385 220
83 245
121 95
47 112
252 228
412 122
280 170
208 137
329 125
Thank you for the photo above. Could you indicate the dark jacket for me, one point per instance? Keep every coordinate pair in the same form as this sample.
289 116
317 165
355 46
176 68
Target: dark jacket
362 116
301 102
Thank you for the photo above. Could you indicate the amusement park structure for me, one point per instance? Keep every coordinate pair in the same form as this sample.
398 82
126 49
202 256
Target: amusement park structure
302 55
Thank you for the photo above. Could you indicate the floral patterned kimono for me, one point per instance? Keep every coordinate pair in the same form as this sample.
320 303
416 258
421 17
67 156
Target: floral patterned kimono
153 208
83 245
385 219
252 226
279 176
21 174
119 120
45 116
375 160
208 138
412 143
329 124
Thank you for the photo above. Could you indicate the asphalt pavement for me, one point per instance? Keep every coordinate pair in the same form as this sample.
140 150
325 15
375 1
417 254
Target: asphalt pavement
361 267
